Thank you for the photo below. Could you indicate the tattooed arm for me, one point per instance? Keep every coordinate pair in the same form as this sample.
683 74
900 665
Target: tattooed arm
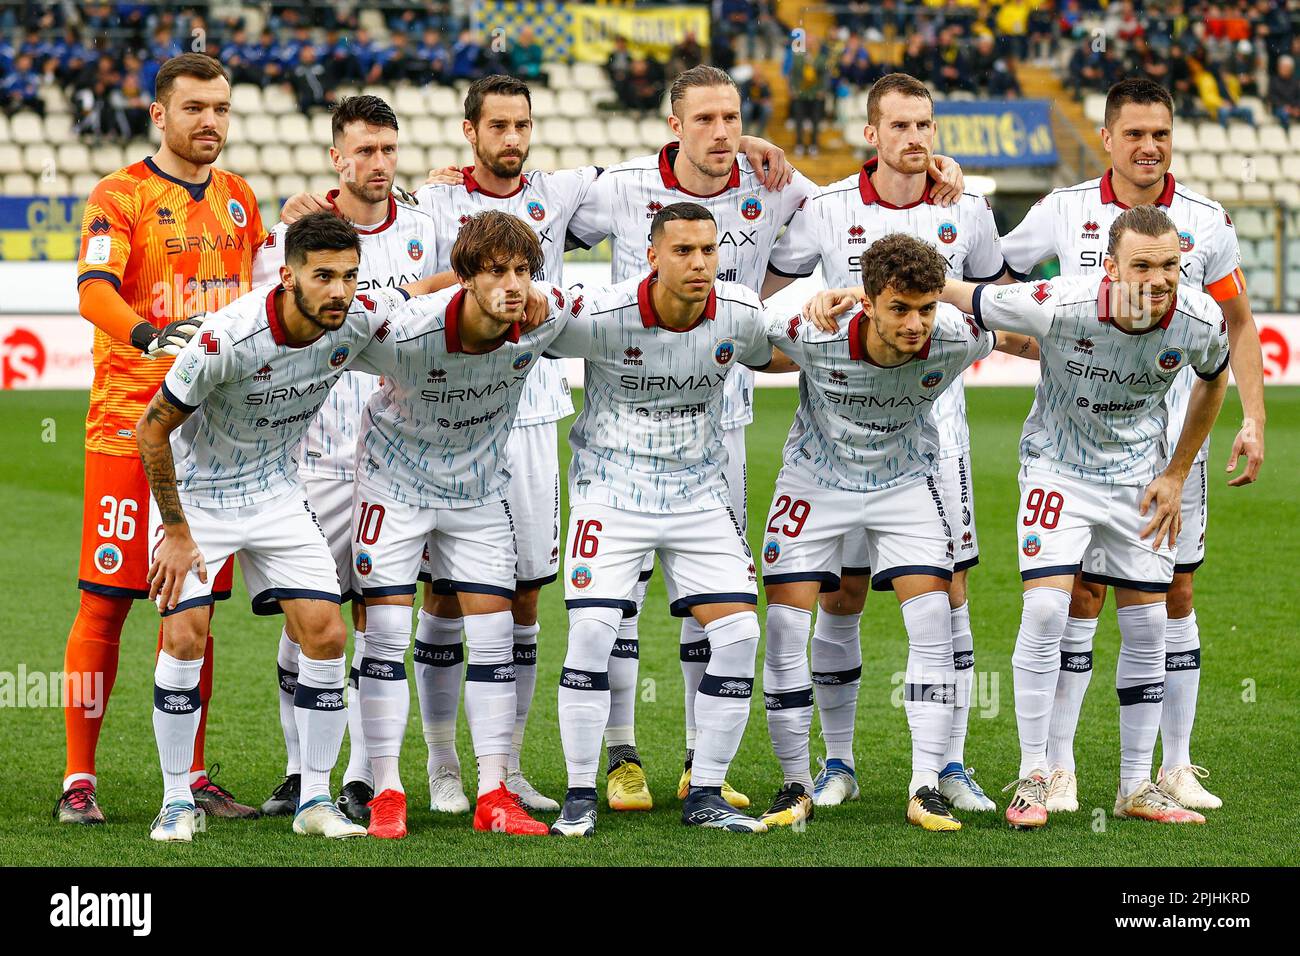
176 554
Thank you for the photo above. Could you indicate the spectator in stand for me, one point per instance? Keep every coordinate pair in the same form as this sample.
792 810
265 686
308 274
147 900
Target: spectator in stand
436 57
1003 83
1143 61
466 57
854 68
809 74
1242 68
133 105
724 50
685 55
235 58
619 63
403 65
263 56
644 91
755 100
980 62
311 82
1215 97
1091 69
1284 92
1012 21
953 70
918 58
526 57
21 89
369 58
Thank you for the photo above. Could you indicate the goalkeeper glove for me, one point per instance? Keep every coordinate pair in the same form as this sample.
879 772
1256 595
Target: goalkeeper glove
169 340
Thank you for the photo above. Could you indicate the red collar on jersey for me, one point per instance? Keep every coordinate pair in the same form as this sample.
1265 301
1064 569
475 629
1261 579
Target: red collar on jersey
668 156
277 327
650 315
472 186
872 198
388 219
859 354
1104 313
1108 191
452 327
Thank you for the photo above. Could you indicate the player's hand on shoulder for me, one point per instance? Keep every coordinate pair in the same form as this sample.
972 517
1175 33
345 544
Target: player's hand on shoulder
769 162
447 176
536 310
949 181
1164 500
824 308
302 204
174 558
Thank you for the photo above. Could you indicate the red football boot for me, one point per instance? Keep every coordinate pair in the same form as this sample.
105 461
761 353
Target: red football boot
388 815
500 811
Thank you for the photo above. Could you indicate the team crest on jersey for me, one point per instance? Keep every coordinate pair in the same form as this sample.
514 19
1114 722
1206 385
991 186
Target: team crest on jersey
522 361
1186 241
415 249
581 576
537 211
725 352
108 558
947 232
339 356
1090 230
771 551
237 214
1031 545
932 378
364 565
1170 359
751 208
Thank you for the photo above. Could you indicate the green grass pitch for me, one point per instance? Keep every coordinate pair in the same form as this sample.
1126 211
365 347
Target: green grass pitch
1249 708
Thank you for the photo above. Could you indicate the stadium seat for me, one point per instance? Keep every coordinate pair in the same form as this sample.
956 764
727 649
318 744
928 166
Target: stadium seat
294 129
543 157
1234 166
1094 107
589 76
1251 224
606 156
308 159
58 129
4 128
246 99
54 99
1258 191
1294 137
1292 289
19 184
1267 169
622 132
412 162
289 184
385 93
347 89
545 102
443 102
263 188
1273 139
277 161
1243 138
654 133
1212 137
277 100
571 157
11 159
559 76
1288 193
422 131
107 157
1185 138
242 159
260 130
447 155
1179 164
321 128
1293 253
1262 285
453 130
556 132
1227 190
72 159
588 132
1204 166
322 184
409 101
26 129
1290 167
39 160
83 184
372 20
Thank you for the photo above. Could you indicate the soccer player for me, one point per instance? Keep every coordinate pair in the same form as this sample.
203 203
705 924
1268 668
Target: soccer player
863 458
1100 489
232 412
163 239
648 476
892 193
429 473
399 247
1072 224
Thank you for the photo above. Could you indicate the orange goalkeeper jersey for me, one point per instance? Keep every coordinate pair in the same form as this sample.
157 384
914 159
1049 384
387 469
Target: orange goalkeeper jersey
172 249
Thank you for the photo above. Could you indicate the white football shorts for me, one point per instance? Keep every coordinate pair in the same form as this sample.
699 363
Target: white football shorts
1196 514
331 500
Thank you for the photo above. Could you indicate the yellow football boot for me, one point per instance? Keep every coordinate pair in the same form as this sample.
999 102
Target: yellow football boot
625 788
930 811
729 793
792 804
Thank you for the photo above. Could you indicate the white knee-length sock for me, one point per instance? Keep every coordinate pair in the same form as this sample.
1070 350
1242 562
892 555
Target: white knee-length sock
584 691
490 693
1140 684
383 690
837 678
1035 664
1182 683
525 683
722 705
358 767
931 685
693 650
787 690
1071 686
322 717
176 709
439 665
286 666
963 664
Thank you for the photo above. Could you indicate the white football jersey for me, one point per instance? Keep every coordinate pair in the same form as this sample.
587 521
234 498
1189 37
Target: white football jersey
545 201
841 222
625 199
433 435
254 395
398 251
1073 223
862 426
1099 410
649 437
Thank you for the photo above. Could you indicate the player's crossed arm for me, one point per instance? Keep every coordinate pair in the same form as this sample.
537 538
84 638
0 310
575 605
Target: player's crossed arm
176 554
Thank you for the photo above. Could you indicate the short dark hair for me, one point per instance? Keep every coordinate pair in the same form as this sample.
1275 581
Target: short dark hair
683 211
365 108
494 85
1144 220
903 83
317 232
493 237
698 76
904 263
198 65
1135 90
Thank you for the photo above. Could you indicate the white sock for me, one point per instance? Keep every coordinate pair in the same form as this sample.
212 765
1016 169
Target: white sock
837 676
1140 683
787 690
931 684
525 684
722 704
1034 666
286 666
439 665
1071 686
358 760
383 691
693 649
963 664
1182 682
584 690
624 664
321 716
176 710
490 693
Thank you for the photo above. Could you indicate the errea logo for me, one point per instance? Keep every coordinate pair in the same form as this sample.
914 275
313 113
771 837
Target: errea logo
76 909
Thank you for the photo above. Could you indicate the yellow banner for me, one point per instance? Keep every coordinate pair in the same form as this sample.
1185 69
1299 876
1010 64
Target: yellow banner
654 32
